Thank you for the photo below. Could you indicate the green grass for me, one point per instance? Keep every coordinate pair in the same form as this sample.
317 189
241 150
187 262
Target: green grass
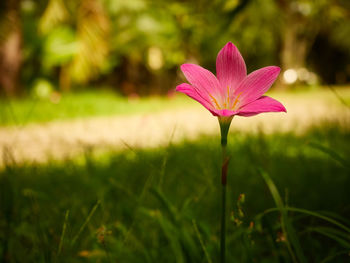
81 105
163 205
87 104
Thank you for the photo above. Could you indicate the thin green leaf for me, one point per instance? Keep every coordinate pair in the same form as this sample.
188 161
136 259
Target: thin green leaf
311 213
333 154
328 232
329 258
63 233
201 241
86 222
287 228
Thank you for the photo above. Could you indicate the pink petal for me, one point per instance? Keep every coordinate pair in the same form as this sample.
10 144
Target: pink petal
256 84
230 66
225 113
192 93
263 104
202 80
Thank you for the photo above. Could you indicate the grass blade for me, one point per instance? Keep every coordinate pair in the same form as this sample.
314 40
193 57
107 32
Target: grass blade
86 222
329 258
310 213
332 234
334 155
201 241
287 228
63 233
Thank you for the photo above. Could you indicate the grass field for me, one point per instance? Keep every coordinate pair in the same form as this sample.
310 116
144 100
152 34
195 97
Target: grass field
86 104
163 205
79 105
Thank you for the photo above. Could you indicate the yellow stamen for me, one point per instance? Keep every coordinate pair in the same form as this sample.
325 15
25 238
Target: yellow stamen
236 100
215 101
228 96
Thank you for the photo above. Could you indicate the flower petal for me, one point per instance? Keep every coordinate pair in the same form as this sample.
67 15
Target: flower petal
224 113
263 104
256 84
192 93
202 80
230 66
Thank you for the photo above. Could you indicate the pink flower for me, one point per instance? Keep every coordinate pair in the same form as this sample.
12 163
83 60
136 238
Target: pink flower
232 91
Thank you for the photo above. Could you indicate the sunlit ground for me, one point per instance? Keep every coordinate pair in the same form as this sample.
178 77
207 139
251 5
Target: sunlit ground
38 130
138 181
87 104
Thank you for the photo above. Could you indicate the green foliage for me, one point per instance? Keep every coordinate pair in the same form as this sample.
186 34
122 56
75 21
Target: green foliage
59 47
71 43
256 31
162 205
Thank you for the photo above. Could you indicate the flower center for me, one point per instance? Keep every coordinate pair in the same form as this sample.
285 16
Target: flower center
227 103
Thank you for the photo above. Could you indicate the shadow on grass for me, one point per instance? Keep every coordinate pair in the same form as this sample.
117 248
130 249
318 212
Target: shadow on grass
163 205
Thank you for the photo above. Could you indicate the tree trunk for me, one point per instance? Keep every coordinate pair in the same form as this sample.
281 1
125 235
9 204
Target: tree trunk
64 79
294 46
10 49
298 34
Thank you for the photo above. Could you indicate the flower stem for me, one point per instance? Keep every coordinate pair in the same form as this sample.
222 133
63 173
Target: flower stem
224 128
223 226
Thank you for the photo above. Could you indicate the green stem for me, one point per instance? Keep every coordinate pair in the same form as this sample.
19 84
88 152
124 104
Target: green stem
224 128
223 226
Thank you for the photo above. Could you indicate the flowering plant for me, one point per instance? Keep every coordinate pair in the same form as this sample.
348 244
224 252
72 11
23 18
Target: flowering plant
231 92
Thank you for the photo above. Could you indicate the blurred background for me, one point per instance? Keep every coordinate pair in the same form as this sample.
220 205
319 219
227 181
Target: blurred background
136 47
101 161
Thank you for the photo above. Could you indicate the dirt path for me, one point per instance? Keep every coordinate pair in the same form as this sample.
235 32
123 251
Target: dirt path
60 140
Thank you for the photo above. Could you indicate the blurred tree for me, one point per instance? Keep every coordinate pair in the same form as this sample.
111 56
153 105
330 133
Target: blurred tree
59 44
333 42
303 21
284 31
77 40
152 38
93 29
256 31
10 46
138 45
